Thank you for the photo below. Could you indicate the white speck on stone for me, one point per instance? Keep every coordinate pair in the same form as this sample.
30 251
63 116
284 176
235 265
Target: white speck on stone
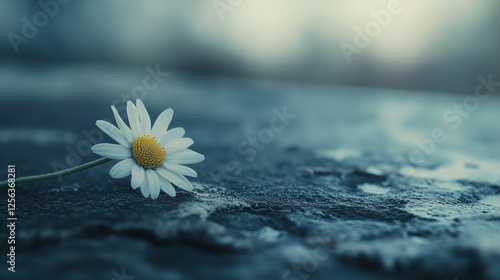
340 154
374 171
373 189
268 234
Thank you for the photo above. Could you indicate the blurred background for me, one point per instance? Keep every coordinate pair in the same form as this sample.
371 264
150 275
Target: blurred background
426 45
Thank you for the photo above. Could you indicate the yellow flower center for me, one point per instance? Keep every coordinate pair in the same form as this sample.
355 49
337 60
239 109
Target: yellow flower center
147 152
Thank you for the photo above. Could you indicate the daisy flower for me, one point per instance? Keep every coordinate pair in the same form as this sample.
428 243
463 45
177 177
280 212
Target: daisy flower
154 156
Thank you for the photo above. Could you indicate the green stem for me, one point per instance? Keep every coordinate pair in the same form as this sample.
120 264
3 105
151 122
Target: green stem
59 173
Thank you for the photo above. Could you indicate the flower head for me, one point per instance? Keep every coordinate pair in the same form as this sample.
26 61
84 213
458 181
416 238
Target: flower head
154 156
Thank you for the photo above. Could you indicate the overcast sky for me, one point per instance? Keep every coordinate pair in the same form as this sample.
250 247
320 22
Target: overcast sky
416 44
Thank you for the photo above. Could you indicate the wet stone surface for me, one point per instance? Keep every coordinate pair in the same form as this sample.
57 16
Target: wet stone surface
328 197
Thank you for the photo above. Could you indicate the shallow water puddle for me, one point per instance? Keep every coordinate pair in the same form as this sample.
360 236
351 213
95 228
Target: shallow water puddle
491 200
373 189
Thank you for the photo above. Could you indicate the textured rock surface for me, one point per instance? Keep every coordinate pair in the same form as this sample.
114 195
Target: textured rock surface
329 197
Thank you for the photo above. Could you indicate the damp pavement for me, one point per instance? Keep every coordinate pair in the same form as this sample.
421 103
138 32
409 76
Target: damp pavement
300 181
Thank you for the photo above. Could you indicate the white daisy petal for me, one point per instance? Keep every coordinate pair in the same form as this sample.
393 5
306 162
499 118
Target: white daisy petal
172 134
122 126
177 179
154 183
178 144
161 173
144 117
166 186
137 176
181 169
122 169
162 122
145 187
133 119
112 151
113 132
185 156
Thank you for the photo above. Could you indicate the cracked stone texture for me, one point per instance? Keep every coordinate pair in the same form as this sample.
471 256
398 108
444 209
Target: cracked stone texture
329 197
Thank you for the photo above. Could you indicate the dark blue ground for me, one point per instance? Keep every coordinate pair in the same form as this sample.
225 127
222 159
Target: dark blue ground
330 196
